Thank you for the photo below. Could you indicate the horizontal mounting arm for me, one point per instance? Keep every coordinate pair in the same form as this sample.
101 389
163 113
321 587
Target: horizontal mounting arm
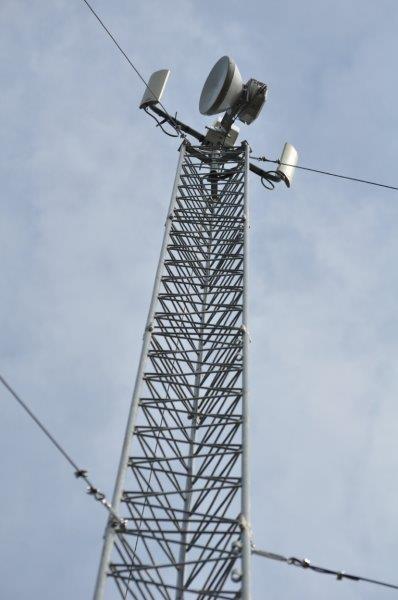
200 137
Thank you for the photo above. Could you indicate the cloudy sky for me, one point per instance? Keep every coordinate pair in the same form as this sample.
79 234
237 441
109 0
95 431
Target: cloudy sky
86 181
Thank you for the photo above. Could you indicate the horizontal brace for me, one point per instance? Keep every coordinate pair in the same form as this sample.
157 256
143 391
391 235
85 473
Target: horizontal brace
168 509
134 569
219 594
200 137
227 446
129 496
186 457
142 429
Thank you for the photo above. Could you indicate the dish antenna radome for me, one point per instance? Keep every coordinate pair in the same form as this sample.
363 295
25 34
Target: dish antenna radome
222 88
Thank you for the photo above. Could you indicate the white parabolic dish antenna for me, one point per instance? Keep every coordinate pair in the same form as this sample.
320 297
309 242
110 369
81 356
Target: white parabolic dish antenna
222 87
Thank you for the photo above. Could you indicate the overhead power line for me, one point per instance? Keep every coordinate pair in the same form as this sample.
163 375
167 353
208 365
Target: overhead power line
92 490
304 563
278 162
132 65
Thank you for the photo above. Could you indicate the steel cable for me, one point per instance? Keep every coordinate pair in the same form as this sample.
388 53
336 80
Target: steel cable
99 496
92 490
132 65
304 563
329 173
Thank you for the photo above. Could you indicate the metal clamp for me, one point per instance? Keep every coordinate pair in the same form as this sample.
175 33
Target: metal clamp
236 575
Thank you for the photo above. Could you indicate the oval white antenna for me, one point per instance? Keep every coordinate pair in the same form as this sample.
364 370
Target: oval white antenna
287 163
155 88
222 87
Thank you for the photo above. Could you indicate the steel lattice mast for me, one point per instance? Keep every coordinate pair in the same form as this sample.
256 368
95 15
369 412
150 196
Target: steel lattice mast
182 488
183 481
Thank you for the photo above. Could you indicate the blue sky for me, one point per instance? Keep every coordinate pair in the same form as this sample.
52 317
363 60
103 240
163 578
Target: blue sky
86 181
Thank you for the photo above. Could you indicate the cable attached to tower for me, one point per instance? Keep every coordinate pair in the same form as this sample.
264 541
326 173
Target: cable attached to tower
330 174
304 563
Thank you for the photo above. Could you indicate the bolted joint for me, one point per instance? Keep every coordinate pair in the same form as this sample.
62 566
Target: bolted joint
245 527
243 522
236 575
93 491
149 328
236 547
197 418
119 525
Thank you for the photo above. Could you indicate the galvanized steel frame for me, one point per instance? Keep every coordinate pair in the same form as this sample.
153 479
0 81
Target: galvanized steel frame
183 480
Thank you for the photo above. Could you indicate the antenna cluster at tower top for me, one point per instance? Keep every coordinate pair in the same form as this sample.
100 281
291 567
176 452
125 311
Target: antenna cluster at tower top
224 92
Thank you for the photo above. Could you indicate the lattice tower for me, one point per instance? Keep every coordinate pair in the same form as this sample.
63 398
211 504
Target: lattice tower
182 484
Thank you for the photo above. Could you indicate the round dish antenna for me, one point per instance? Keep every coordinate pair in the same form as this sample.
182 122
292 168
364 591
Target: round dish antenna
222 87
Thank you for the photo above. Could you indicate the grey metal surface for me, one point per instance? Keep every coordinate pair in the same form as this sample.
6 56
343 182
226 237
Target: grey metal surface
256 92
246 512
155 88
221 88
186 494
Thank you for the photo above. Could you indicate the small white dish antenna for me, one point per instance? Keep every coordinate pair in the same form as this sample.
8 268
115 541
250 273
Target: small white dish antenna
222 87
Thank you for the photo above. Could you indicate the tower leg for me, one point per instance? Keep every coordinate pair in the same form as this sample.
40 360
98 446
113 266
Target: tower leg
246 510
109 536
